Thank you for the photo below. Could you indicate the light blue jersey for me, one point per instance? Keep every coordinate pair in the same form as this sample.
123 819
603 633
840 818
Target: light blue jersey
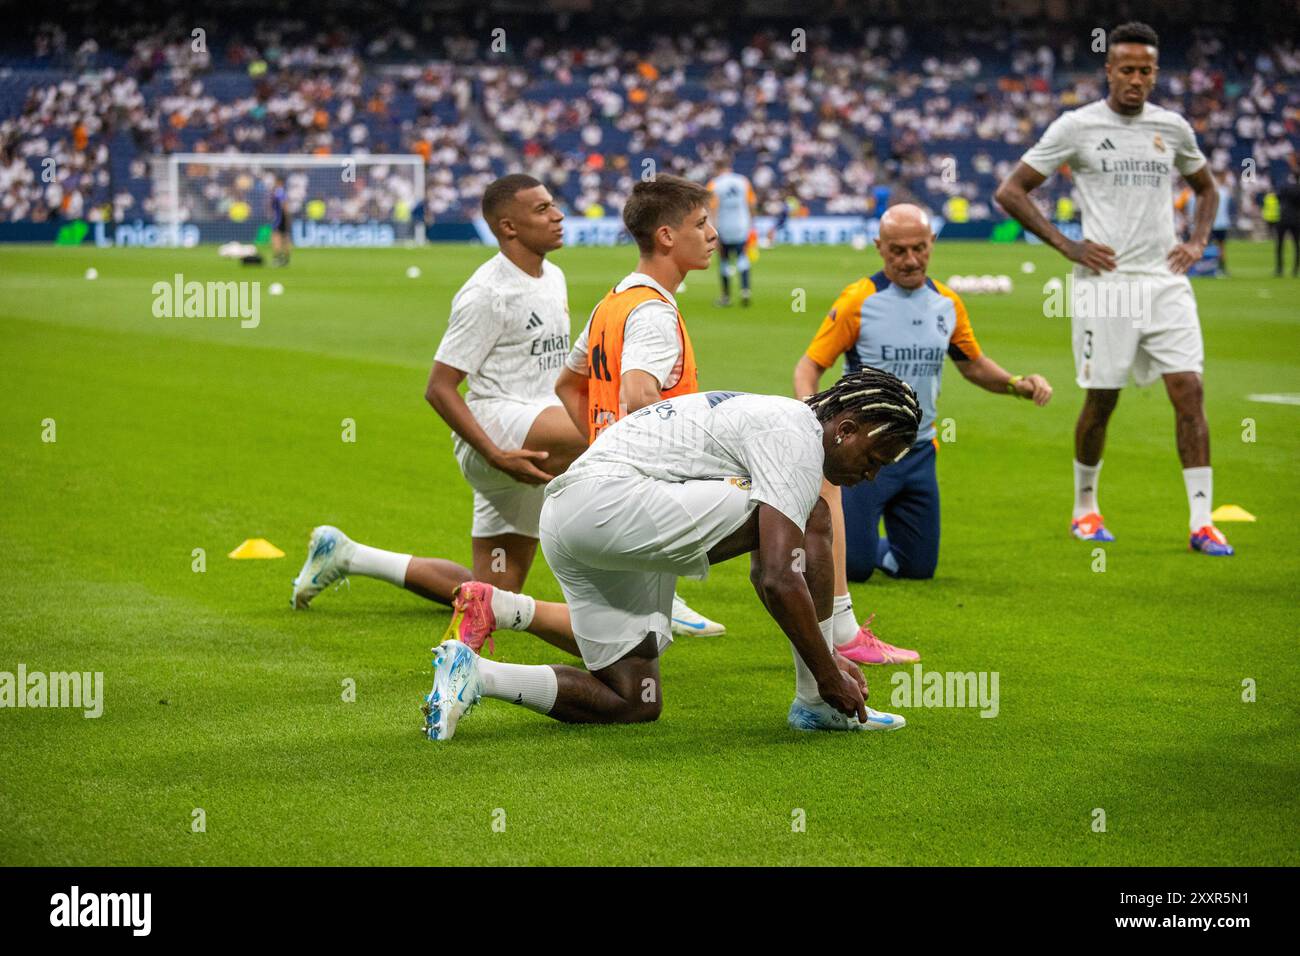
733 195
1222 216
906 332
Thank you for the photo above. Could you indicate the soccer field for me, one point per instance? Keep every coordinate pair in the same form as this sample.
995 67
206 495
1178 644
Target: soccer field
1121 690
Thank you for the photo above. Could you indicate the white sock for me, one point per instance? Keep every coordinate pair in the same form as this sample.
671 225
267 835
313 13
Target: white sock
532 685
805 684
845 627
1200 492
514 612
1085 488
371 562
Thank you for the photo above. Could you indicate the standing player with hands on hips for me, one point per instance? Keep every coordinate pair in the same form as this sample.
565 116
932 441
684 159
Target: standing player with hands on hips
1123 152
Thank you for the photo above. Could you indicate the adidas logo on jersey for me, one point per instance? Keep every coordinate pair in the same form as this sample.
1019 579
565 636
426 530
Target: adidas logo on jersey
1105 144
533 321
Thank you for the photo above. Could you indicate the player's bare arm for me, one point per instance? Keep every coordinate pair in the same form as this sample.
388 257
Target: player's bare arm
572 390
1184 254
443 394
1013 196
638 389
785 594
807 377
992 377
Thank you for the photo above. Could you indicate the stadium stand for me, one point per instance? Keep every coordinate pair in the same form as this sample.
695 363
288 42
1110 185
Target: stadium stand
856 120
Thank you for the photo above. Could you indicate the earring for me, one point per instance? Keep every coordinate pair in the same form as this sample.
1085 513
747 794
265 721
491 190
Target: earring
838 439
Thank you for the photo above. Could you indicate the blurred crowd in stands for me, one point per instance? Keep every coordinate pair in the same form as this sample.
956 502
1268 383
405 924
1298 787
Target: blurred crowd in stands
822 122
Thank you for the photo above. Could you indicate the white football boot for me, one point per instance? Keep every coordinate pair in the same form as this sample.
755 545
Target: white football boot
456 689
328 553
822 716
686 621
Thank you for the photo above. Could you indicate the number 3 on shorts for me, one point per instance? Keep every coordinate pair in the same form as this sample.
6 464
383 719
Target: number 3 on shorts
1087 344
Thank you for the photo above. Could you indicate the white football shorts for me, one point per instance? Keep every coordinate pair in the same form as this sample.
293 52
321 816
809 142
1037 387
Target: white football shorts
501 504
1143 325
618 544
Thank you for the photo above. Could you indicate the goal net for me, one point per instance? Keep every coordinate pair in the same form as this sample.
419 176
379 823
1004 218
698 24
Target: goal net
351 200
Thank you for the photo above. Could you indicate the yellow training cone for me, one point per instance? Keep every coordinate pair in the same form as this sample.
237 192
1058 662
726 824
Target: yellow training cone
1231 513
256 548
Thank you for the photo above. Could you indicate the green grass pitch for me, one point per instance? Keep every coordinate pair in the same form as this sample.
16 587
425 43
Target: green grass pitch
1120 690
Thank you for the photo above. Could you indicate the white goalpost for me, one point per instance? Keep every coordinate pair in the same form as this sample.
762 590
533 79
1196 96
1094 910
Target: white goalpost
344 200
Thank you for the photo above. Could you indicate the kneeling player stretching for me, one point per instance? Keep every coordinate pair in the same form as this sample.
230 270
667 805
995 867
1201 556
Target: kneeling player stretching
508 334
682 484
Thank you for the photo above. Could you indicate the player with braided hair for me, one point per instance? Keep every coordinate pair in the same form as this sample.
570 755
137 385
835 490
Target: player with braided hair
665 492
870 393
902 322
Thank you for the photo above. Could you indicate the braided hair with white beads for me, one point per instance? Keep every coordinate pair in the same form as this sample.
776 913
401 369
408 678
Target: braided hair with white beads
872 395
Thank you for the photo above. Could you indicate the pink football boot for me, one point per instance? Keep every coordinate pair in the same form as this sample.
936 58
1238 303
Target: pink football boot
472 602
866 648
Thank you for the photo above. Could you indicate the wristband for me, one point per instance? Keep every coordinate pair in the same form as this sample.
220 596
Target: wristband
1011 384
